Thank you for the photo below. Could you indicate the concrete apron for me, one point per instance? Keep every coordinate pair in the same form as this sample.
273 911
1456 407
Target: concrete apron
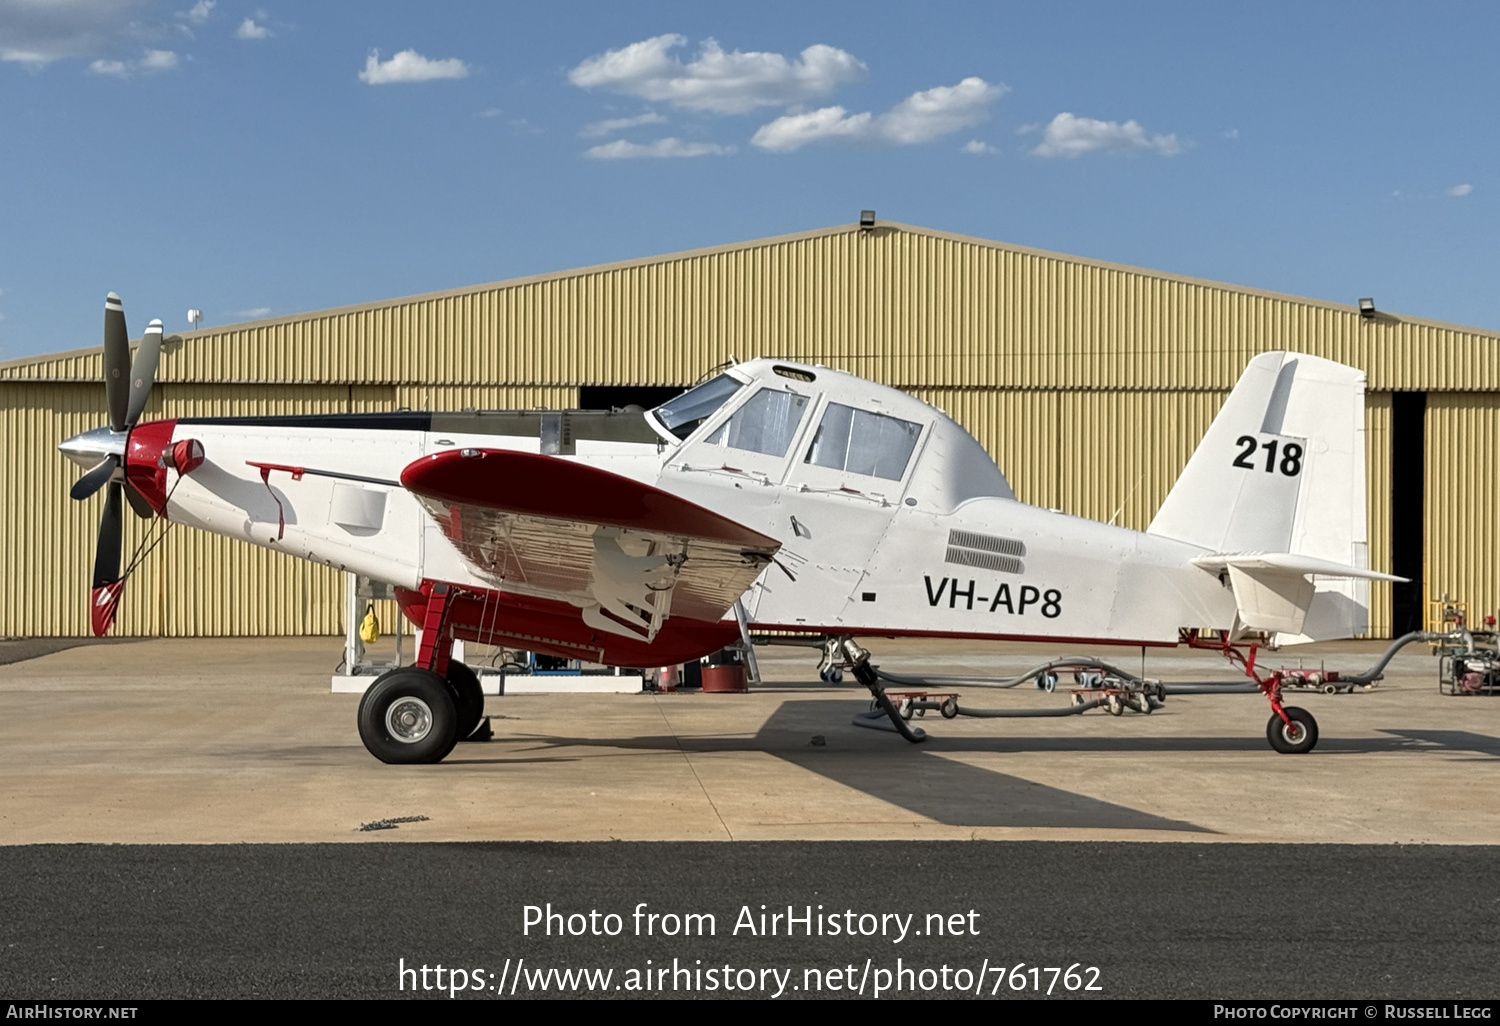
240 740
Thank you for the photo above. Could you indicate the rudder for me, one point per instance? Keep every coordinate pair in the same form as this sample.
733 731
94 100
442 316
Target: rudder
1282 470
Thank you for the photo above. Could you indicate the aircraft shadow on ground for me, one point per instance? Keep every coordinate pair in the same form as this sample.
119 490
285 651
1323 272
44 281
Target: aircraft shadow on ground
948 791
920 779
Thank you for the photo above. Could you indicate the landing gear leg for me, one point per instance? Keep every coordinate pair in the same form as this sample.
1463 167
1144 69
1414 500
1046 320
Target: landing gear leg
411 714
859 660
1291 731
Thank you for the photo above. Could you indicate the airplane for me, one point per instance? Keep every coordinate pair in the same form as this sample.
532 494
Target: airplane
776 496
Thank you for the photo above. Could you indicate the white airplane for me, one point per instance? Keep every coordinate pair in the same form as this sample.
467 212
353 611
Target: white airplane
774 496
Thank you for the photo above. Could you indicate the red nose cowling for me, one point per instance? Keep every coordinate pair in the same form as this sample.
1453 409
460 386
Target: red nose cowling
145 468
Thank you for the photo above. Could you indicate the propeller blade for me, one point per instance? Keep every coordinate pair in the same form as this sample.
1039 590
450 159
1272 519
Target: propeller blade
111 535
143 372
138 502
94 480
116 361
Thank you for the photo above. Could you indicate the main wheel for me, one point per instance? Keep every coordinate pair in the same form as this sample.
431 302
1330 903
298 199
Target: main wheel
408 716
1296 737
468 698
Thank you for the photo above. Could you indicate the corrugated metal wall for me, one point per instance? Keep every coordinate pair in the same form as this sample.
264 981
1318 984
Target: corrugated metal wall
1461 496
1090 383
903 306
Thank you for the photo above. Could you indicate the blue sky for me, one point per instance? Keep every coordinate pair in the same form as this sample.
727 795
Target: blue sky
257 160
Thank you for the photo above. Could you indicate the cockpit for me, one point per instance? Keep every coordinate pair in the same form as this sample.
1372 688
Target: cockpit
818 429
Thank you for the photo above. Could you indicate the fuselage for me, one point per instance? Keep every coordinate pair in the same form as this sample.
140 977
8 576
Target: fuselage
891 519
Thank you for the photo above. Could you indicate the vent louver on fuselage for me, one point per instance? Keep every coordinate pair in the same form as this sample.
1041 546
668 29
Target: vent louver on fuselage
986 551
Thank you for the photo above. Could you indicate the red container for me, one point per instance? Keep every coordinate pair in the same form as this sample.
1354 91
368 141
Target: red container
724 680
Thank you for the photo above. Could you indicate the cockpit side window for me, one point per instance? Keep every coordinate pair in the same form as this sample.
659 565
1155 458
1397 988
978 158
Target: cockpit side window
765 424
860 442
682 415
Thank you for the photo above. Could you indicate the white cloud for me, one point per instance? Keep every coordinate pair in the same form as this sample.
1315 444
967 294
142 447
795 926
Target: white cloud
609 126
933 113
151 61
491 112
119 69
199 12
920 118
1231 133
1070 136
38 32
250 30
410 66
975 146
1460 190
724 83
255 313
158 60
669 147
793 131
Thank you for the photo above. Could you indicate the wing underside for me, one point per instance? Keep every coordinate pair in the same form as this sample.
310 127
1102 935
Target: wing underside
626 554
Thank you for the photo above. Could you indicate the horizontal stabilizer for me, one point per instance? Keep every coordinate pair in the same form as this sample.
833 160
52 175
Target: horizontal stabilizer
1292 563
1273 591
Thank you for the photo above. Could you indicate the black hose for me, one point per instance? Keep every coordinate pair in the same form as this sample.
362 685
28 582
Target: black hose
1065 663
997 714
1373 673
883 719
1210 688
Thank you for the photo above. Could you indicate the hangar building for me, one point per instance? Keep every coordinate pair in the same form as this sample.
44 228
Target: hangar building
1090 383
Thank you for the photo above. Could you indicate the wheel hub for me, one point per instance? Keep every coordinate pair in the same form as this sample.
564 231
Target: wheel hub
408 719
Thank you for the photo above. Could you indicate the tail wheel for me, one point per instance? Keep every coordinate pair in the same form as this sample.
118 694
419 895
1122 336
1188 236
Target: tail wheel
468 698
1296 737
408 716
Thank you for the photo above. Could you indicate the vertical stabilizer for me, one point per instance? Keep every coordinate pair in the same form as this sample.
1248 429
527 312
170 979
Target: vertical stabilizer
1282 470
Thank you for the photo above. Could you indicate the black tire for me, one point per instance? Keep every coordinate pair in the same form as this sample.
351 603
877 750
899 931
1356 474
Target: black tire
468 698
1300 737
1114 705
905 708
949 708
408 716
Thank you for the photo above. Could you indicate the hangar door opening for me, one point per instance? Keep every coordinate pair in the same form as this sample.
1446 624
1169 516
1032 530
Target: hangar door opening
1408 529
618 397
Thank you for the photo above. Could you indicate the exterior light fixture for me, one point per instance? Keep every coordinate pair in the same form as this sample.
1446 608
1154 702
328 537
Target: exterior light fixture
867 220
1367 309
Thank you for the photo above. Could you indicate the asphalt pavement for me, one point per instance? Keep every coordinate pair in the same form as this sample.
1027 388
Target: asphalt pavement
1181 920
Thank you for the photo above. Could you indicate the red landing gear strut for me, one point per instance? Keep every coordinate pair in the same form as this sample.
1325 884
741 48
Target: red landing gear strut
1291 730
437 643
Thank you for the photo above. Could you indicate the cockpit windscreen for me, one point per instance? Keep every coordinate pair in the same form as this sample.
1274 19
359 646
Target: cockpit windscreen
682 415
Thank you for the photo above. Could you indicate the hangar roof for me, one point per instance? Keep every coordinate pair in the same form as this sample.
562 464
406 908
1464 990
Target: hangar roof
903 304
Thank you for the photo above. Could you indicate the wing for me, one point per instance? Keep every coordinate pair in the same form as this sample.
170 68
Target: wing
627 554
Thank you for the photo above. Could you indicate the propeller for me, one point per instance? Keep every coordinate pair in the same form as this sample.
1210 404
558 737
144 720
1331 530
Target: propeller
127 388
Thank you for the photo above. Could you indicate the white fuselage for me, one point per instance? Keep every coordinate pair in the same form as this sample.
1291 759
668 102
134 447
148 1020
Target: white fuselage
926 552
